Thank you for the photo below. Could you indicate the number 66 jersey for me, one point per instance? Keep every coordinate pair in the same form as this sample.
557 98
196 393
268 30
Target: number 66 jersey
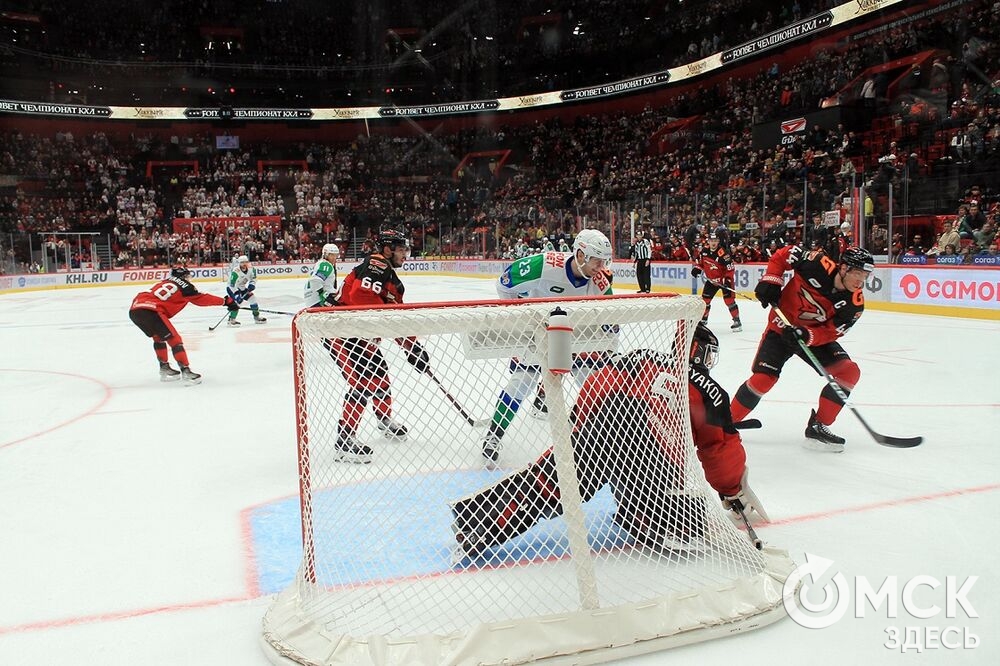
372 282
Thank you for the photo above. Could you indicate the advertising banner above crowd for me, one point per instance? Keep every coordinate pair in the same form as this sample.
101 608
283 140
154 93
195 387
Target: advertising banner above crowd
804 28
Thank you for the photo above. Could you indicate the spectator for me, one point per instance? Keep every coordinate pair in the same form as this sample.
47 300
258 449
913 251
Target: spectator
948 237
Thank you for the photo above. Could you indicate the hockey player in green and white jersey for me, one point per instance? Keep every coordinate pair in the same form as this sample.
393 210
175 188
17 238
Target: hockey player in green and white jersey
321 288
242 283
583 272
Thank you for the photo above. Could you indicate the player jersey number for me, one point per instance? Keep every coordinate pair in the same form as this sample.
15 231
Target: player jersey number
165 291
374 286
523 267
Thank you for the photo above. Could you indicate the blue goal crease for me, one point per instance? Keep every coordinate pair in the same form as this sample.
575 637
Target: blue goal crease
415 540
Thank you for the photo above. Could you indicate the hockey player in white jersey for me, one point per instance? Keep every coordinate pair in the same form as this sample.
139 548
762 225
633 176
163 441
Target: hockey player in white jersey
322 289
241 288
582 272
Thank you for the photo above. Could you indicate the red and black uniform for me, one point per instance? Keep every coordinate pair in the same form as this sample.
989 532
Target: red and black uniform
812 302
372 282
618 439
719 269
152 310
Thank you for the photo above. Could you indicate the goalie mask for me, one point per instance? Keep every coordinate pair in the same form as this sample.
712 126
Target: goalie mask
704 347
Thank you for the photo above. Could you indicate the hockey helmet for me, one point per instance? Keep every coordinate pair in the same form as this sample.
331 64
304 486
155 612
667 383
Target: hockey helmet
243 259
593 244
331 248
704 347
180 272
858 257
392 238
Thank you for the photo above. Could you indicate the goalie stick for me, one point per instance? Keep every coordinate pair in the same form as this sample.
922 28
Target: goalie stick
884 440
754 539
455 403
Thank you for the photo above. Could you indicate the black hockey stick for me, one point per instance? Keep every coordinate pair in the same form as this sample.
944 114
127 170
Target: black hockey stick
212 328
455 403
290 314
884 440
757 543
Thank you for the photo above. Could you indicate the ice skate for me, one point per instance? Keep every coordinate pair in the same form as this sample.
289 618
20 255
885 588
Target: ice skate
538 409
348 449
233 322
259 320
168 374
819 437
737 326
392 429
190 378
491 450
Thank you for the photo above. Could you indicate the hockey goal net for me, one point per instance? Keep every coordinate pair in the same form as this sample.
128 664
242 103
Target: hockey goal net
637 556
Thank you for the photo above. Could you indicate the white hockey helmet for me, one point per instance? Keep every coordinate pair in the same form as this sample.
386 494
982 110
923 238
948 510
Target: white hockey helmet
331 248
593 244
243 259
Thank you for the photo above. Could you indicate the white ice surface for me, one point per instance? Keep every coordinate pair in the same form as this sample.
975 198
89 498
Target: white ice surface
122 500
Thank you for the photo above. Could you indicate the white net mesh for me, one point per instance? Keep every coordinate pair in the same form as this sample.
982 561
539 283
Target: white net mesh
418 549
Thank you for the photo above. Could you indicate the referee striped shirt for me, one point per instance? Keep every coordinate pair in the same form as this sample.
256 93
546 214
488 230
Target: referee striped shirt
643 249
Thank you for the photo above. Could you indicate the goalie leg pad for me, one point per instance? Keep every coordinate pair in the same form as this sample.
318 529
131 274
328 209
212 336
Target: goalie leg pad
668 522
504 510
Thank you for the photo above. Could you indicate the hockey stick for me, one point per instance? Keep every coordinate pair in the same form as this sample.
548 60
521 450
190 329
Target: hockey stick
290 314
455 403
884 440
212 328
757 543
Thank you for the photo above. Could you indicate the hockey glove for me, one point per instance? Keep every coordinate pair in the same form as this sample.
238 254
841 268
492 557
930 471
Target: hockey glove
231 303
417 357
795 334
695 272
728 283
237 296
331 299
745 500
250 288
768 293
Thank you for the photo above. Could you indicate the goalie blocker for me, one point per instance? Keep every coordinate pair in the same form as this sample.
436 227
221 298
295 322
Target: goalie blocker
616 441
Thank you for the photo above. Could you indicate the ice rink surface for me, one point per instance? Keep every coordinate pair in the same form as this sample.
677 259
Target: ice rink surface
124 529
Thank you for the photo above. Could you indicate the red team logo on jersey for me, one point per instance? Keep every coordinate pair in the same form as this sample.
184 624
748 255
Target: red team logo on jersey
556 259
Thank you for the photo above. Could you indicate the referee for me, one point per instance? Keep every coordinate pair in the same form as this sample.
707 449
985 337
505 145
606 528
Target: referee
642 251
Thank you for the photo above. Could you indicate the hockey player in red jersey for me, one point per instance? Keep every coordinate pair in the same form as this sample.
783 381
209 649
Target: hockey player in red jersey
372 282
719 269
617 441
152 310
822 300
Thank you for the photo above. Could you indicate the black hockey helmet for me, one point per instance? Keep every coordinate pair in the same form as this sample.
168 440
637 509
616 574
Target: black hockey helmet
180 272
392 238
704 347
857 257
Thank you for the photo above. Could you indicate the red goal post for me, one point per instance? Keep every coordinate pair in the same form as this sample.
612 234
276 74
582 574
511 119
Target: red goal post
382 579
